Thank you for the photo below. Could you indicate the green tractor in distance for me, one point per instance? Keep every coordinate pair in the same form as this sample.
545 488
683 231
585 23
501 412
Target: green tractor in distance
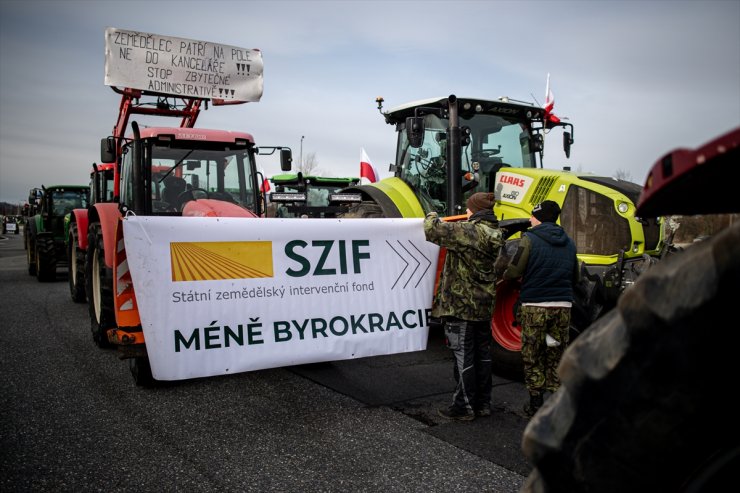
9 225
296 195
449 148
45 233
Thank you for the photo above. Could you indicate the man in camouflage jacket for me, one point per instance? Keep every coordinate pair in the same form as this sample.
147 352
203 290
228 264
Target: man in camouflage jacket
464 300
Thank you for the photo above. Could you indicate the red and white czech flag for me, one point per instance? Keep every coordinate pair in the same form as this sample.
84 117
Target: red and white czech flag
367 170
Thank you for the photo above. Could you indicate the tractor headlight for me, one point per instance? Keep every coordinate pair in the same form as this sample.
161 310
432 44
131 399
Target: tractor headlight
287 197
623 207
345 197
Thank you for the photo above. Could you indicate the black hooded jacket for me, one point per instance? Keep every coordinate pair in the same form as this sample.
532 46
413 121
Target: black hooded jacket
546 261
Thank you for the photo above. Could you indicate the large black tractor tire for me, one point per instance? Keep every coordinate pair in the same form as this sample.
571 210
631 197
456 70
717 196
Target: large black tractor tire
141 371
647 401
76 261
506 363
46 261
30 255
99 288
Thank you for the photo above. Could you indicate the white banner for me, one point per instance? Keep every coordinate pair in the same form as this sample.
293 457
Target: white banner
226 295
182 67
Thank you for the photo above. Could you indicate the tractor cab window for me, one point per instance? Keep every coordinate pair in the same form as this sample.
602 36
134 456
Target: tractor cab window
318 196
495 142
64 201
181 174
424 168
127 190
103 183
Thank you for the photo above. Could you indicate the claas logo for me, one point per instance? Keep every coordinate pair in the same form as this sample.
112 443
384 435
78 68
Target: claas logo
208 261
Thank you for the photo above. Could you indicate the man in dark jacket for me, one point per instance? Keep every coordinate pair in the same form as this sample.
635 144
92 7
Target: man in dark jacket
547 265
464 300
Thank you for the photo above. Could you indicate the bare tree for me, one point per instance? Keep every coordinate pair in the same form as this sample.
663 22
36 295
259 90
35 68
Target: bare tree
309 165
622 174
689 228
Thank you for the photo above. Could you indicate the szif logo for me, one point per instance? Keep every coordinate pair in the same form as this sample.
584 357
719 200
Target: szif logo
208 261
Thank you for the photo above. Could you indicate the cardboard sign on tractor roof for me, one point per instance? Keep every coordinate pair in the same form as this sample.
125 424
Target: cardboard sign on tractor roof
182 67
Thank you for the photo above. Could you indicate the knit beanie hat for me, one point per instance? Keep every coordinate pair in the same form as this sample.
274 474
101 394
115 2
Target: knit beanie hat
547 211
480 201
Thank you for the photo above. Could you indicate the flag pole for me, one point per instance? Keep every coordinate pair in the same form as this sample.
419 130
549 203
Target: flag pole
544 120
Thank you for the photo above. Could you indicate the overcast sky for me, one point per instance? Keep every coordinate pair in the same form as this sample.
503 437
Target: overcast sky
636 79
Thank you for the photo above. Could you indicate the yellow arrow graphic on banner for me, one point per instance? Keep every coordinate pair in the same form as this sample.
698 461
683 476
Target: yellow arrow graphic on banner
208 261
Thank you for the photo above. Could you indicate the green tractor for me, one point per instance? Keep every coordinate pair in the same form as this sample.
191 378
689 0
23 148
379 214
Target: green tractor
296 195
45 230
449 148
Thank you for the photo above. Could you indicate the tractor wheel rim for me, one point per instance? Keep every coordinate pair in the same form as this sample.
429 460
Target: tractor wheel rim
96 284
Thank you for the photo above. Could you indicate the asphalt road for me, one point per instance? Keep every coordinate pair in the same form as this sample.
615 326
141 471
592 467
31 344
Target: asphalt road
72 419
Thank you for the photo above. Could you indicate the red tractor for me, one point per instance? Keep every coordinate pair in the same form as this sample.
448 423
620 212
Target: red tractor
161 171
101 190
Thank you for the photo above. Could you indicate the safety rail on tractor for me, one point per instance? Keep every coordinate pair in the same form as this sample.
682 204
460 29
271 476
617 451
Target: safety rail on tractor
178 171
449 148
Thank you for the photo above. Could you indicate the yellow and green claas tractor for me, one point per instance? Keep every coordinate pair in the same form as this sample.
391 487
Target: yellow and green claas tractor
449 148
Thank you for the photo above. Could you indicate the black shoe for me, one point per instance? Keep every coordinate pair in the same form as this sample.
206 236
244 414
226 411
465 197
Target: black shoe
535 403
456 414
483 411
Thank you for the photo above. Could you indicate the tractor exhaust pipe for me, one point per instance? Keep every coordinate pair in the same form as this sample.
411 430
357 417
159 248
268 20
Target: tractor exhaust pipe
454 158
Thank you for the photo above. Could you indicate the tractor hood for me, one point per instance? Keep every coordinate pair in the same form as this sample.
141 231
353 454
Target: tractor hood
214 208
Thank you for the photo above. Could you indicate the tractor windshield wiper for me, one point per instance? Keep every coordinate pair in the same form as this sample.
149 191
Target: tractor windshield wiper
176 165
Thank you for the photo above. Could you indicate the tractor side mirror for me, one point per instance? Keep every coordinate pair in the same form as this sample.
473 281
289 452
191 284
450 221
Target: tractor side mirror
108 150
415 131
567 142
286 159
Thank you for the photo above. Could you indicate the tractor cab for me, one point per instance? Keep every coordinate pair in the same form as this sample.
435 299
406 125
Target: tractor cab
450 148
179 166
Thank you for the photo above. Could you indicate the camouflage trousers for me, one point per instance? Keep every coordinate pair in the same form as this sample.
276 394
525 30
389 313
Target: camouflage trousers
540 360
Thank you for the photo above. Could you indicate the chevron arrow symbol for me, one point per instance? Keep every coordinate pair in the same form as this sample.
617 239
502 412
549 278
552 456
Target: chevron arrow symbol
413 260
